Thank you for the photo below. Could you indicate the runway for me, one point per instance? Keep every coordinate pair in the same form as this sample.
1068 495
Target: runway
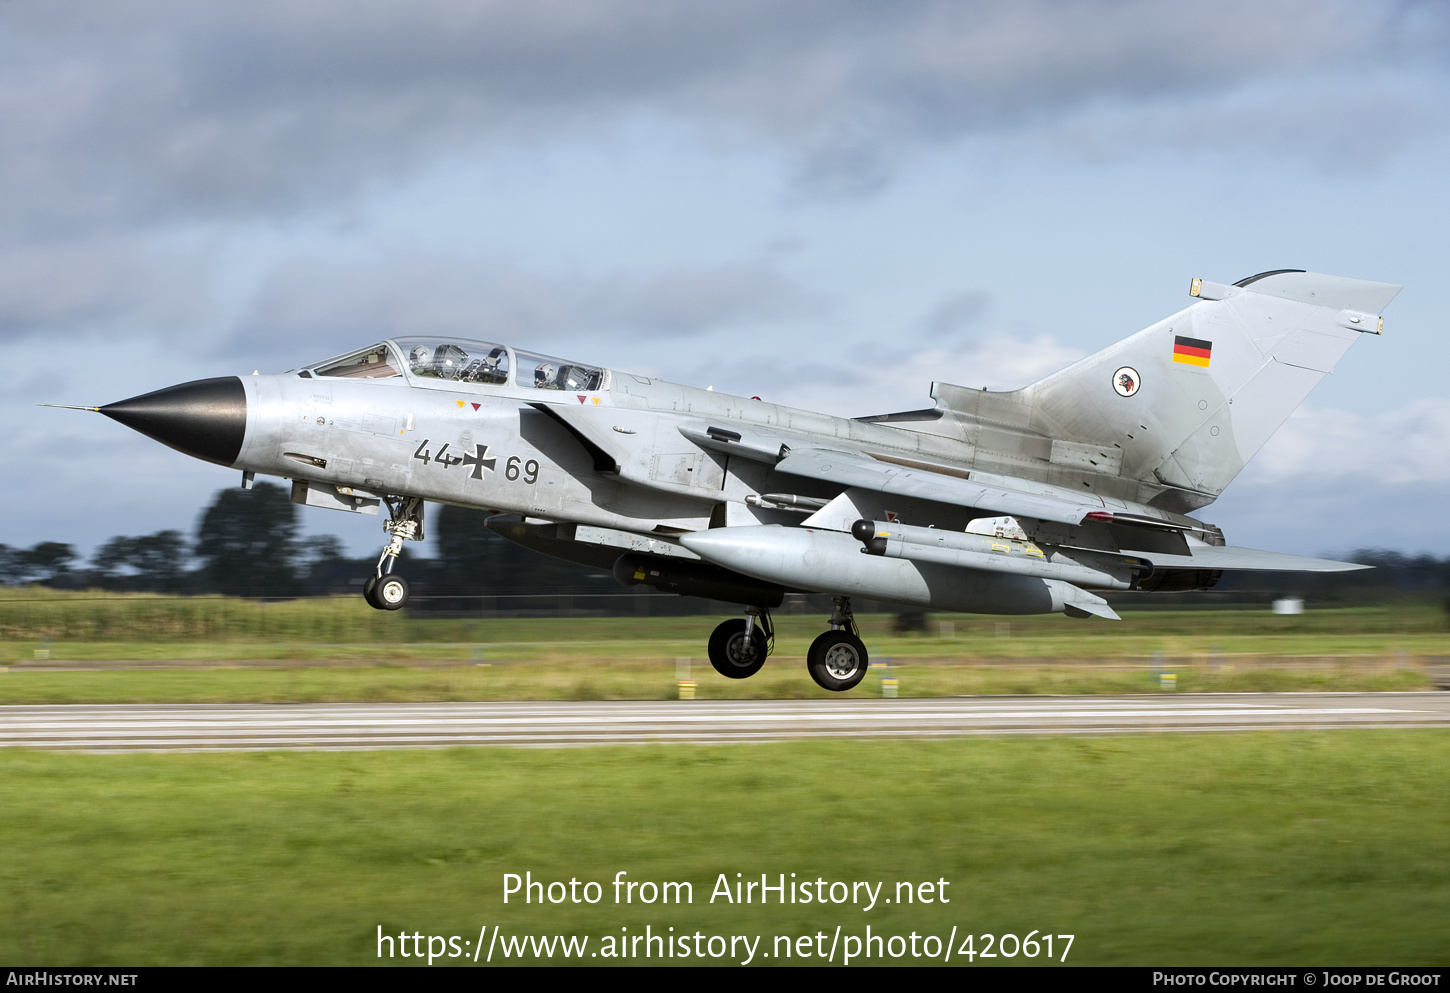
340 726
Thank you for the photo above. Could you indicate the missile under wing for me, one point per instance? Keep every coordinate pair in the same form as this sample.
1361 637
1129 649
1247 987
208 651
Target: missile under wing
1029 501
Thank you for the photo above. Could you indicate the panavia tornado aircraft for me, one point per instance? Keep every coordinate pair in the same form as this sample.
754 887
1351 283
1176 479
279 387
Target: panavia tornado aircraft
1020 502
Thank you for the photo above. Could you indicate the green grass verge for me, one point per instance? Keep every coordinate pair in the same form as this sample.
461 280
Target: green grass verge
783 678
339 649
1286 848
91 625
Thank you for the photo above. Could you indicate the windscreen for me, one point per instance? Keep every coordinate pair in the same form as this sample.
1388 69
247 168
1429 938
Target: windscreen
373 363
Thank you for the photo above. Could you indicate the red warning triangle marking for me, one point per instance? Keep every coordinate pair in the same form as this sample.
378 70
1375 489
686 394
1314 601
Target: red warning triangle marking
581 397
477 405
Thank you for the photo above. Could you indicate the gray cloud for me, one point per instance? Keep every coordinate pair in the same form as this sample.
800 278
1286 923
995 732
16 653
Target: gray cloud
1303 517
1337 127
692 301
322 307
957 313
98 285
147 111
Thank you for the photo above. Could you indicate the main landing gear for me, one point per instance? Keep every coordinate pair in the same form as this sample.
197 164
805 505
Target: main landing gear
738 648
837 660
384 590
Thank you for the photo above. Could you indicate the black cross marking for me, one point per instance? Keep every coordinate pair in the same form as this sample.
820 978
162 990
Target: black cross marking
479 460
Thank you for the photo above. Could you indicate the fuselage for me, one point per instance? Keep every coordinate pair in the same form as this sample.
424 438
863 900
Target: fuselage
1015 502
509 446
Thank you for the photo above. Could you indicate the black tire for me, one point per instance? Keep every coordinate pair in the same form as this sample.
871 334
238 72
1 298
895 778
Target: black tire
391 593
369 586
837 660
727 649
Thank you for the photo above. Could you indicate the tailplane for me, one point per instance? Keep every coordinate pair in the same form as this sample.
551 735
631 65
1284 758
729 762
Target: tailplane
1187 402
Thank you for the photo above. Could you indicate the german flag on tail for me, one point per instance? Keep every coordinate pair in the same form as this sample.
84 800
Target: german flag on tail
1191 351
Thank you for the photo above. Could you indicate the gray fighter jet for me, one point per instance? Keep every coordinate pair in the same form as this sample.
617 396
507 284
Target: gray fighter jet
1020 502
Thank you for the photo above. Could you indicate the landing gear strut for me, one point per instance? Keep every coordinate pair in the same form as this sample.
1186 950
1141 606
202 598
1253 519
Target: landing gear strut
383 590
837 660
739 647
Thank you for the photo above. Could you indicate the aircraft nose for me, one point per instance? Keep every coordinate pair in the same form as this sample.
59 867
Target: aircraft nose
206 419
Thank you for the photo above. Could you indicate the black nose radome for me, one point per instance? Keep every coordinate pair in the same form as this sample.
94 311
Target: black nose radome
205 419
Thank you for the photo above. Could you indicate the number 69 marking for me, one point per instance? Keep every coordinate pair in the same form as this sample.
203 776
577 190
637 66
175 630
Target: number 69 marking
530 469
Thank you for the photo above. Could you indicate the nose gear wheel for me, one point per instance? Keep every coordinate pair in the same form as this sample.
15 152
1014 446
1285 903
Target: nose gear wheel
391 592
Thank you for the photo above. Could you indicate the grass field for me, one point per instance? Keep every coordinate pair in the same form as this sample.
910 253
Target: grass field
655 679
1291 848
225 650
155 650
1285 848
139 626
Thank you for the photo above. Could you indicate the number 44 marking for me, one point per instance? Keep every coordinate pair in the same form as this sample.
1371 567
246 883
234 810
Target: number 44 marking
442 458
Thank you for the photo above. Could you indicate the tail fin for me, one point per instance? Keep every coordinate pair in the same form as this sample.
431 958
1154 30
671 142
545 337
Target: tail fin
1191 399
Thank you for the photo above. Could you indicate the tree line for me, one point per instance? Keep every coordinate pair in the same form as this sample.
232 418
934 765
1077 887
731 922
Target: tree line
246 544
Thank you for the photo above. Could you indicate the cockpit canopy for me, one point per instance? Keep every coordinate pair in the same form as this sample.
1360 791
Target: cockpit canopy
461 361
545 373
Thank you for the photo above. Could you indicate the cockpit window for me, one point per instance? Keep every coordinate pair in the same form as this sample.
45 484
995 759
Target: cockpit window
545 373
374 363
457 361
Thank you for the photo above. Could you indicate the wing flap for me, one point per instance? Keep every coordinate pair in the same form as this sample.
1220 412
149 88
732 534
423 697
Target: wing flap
1249 560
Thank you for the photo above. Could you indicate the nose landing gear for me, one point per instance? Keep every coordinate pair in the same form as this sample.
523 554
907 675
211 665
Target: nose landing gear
384 590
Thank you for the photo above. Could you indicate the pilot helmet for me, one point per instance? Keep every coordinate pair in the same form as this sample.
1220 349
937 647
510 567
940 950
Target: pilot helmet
419 357
544 375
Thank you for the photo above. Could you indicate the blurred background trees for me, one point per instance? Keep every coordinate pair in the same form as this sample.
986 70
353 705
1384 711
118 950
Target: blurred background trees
48 563
155 562
247 544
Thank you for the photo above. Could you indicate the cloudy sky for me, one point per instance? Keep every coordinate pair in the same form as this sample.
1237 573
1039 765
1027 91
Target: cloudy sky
828 204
